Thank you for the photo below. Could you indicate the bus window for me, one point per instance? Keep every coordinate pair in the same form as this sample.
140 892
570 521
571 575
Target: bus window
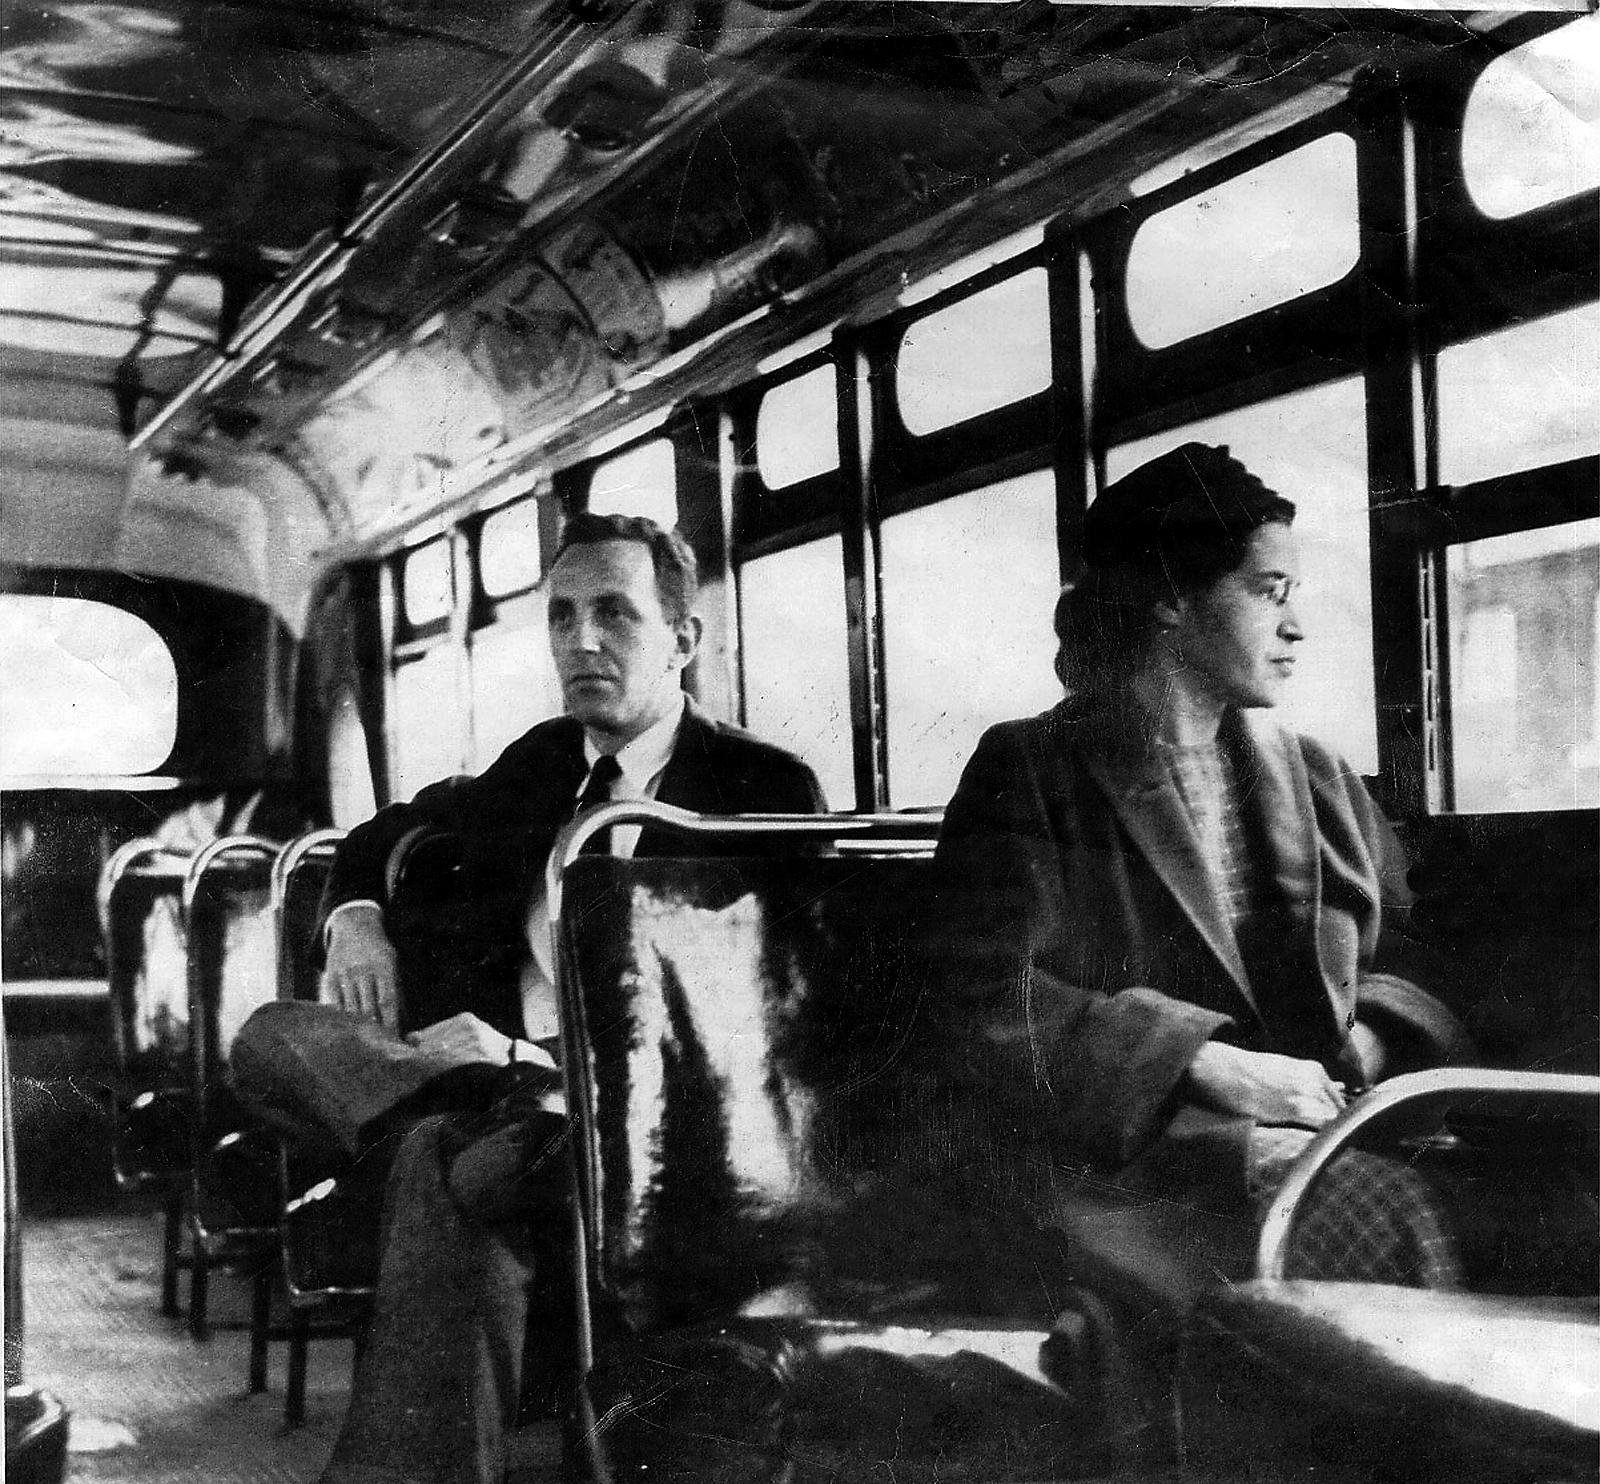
425 584
508 550
427 730
513 686
1262 238
1522 683
641 481
1311 448
84 688
1529 137
795 661
969 586
982 352
797 429
1520 398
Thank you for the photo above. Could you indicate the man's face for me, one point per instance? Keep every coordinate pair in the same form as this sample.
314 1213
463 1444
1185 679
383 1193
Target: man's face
1238 636
617 655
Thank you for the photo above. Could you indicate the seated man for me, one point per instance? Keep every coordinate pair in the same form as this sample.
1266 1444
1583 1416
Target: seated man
1173 968
441 1376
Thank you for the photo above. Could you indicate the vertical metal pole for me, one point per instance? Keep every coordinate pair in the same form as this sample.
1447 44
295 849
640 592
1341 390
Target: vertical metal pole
862 596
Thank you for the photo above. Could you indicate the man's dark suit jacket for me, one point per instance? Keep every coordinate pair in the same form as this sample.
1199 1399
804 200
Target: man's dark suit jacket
1089 956
468 947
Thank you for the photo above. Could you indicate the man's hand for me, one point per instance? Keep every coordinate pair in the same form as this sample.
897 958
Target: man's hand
360 968
463 1038
1265 1086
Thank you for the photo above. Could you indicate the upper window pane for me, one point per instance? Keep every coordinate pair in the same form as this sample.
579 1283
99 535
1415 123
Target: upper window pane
969 586
642 481
985 351
508 549
513 686
1521 398
795 662
1531 133
1523 701
426 736
84 688
1311 448
797 429
1262 238
425 583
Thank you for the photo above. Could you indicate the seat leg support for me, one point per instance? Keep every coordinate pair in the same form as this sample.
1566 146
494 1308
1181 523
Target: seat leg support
260 1322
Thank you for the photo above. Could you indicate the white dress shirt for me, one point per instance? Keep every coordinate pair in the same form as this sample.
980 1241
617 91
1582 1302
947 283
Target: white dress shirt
643 761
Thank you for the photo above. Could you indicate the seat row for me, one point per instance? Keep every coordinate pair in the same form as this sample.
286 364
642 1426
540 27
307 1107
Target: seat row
196 941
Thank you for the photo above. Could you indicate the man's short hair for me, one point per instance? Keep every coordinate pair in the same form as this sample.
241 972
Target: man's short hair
677 572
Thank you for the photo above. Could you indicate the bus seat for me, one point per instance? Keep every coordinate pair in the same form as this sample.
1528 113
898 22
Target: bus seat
328 1214
1417 1383
233 1181
142 889
790 1249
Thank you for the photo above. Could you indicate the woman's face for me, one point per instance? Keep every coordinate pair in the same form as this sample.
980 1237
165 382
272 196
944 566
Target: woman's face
1237 637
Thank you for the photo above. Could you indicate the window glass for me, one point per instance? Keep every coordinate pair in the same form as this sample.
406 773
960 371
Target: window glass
1521 398
1531 132
427 730
1262 238
425 583
84 688
1522 679
513 686
508 549
969 586
982 352
797 429
796 661
1311 448
350 790
642 481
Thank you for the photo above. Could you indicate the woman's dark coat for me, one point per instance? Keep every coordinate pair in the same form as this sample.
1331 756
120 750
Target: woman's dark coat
1088 956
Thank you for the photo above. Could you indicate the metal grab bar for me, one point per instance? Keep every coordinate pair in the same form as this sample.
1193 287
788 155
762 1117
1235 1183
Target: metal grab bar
1442 1082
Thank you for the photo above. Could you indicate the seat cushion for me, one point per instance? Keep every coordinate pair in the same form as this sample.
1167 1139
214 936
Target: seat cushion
1431 1384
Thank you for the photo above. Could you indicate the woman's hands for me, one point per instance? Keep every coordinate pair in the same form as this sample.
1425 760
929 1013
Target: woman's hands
1264 1086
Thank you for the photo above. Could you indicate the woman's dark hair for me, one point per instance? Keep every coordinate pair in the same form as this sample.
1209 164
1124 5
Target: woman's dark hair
677 572
1171 528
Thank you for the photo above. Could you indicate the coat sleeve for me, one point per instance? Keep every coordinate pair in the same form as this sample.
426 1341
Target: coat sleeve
1417 1028
1034 1002
361 863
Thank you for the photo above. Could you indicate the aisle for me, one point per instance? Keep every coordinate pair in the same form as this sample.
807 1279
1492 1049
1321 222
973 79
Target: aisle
150 1405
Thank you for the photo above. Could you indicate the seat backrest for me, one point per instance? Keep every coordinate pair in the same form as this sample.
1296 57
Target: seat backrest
145 962
232 968
298 876
752 1076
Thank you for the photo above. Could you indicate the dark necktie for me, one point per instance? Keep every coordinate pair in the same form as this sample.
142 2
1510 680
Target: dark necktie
602 778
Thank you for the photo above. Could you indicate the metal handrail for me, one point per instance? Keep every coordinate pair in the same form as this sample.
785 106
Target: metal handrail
568 846
1442 1082
285 864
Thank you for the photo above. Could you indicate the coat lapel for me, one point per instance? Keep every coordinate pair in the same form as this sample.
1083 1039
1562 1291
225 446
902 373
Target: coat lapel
1147 803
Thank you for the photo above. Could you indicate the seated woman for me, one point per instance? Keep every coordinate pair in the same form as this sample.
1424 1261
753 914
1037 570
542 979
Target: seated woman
1171 970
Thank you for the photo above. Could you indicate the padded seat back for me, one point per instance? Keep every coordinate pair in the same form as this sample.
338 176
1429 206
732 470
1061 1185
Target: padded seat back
762 1127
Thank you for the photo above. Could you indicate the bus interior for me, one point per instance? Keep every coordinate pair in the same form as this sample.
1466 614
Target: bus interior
317 319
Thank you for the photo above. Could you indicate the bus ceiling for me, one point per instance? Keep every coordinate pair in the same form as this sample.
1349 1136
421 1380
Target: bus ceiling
327 269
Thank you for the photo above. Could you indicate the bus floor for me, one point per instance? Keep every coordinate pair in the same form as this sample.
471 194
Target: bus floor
151 1405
